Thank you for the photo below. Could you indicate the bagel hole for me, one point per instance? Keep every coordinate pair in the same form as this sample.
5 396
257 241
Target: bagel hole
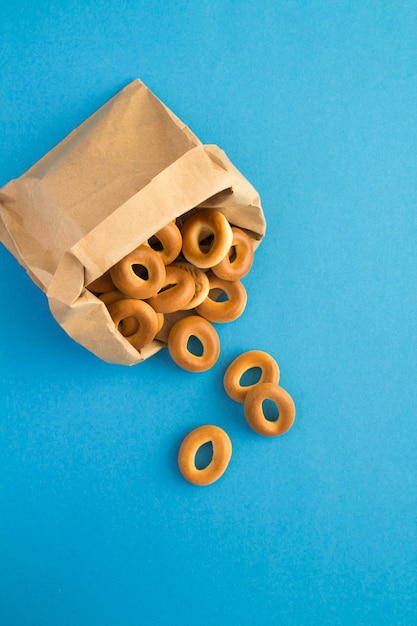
218 295
155 244
250 377
194 346
205 242
167 286
128 326
140 271
270 410
204 455
232 254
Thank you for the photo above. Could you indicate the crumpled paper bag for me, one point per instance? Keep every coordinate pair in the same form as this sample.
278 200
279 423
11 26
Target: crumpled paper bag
112 183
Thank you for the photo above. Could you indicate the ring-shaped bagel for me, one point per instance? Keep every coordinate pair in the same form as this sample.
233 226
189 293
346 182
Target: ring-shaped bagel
201 284
243 363
254 410
222 452
179 335
143 313
170 242
200 225
128 325
226 310
176 291
129 282
238 261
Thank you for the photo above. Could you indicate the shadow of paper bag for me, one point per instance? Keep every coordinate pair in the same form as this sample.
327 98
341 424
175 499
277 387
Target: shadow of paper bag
112 183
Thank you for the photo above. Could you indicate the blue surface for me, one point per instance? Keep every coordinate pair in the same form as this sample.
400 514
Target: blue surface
315 102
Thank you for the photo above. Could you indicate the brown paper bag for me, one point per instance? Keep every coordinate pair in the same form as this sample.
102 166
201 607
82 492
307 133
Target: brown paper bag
116 180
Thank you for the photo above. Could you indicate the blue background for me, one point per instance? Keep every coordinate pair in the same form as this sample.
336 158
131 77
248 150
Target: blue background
315 103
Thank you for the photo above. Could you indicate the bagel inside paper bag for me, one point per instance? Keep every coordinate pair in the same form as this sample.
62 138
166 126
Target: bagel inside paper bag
110 185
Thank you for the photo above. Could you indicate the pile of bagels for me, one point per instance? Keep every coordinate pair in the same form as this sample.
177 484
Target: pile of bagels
184 267
194 266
